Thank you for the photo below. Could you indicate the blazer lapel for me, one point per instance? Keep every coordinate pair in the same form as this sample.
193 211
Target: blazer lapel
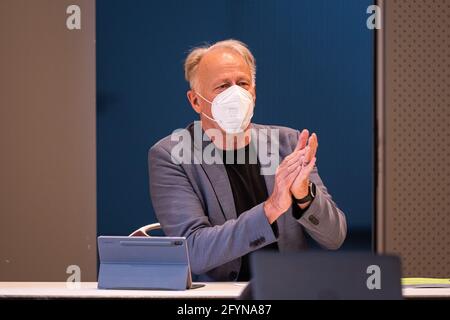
264 143
217 176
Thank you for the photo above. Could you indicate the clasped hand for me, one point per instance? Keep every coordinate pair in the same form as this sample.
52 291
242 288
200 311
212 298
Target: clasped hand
292 177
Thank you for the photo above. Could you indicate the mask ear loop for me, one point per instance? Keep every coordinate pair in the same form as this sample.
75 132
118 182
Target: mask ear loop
209 103
203 97
209 117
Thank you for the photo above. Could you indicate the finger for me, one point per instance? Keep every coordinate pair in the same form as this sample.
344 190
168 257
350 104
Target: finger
285 171
292 162
288 161
291 158
302 140
289 180
289 167
310 148
314 144
312 164
301 153
309 168
307 157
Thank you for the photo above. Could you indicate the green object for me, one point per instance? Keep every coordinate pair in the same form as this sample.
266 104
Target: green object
426 282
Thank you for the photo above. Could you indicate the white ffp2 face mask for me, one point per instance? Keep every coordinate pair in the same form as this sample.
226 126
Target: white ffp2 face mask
232 109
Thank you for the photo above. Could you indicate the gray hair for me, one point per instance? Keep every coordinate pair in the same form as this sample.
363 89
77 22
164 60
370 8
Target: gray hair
196 54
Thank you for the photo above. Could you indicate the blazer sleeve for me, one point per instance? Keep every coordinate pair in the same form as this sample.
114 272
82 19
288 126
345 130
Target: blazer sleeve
181 213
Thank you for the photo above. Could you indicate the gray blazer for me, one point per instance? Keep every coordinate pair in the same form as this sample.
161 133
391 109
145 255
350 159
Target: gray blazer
195 201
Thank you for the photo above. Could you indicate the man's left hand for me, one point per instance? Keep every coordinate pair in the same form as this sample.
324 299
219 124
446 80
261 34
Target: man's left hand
308 145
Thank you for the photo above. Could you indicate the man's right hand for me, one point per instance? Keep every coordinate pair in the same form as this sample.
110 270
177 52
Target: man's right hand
281 198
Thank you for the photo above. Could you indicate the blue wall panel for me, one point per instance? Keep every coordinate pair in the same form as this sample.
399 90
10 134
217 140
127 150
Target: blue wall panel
315 71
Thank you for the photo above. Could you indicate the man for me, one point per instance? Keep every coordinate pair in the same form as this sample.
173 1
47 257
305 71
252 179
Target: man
228 208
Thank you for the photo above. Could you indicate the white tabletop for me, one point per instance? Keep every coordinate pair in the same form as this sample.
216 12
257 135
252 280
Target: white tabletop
426 293
211 290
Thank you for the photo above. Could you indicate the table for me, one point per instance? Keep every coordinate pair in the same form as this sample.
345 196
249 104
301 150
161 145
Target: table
211 290
88 290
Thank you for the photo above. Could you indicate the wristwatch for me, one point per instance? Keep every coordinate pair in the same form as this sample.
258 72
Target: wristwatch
309 197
